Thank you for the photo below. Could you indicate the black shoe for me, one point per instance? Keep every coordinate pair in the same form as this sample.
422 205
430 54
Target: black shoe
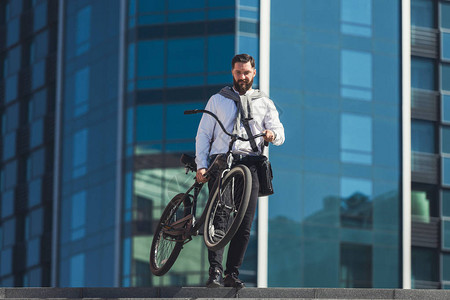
215 278
232 280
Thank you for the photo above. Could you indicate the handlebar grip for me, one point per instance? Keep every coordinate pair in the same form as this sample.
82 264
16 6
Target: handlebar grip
191 112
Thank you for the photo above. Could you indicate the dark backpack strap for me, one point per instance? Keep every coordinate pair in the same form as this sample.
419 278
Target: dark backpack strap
247 128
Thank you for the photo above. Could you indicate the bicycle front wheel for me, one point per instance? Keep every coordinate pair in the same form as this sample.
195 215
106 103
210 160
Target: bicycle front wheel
165 247
227 208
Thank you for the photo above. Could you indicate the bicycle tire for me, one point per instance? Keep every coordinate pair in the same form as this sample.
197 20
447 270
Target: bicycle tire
225 213
164 251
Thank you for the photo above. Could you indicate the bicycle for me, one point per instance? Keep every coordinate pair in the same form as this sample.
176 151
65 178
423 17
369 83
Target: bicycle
223 211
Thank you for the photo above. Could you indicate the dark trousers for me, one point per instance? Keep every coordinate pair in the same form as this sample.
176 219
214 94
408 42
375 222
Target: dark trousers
239 243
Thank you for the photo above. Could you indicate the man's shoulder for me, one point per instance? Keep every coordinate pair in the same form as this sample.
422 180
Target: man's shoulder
225 93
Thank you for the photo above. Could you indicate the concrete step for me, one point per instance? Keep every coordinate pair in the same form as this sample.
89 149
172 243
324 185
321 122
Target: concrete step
174 293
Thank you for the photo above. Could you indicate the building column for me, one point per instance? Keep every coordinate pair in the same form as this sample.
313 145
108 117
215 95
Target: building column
54 277
406 143
264 84
120 139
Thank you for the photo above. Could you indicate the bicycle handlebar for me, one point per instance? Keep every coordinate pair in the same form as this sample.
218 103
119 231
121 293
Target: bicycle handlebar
196 111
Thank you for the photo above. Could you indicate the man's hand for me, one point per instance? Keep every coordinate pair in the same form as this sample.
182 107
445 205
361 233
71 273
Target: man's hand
270 135
200 175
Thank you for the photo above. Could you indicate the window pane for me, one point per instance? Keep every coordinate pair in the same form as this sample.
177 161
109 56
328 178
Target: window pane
80 142
180 126
422 73
446 266
151 58
78 217
83 30
6 260
37 163
356 17
424 264
189 16
15 8
446 170
9 148
10 174
446 139
423 204
11 88
422 13
446 108
356 74
34 192
446 234
37 133
183 4
38 105
40 16
422 136
186 56
13 61
41 46
7 203
446 45
13 31
9 233
356 203
355 266
149 123
445 77
445 15
82 83
12 117
446 203
131 59
77 270
151 6
220 47
33 252
37 74
356 138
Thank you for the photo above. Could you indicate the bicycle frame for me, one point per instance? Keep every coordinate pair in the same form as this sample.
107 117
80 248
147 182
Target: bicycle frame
183 229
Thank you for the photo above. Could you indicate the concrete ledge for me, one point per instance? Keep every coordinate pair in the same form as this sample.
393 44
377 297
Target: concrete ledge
204 293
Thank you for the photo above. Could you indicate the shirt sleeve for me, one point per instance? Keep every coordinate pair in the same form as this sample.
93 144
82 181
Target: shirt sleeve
272 122
205 135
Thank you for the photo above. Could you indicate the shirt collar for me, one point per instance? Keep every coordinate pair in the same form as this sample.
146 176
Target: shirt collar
249 92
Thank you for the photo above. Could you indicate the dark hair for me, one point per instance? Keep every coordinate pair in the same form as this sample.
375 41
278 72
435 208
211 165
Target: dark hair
243 58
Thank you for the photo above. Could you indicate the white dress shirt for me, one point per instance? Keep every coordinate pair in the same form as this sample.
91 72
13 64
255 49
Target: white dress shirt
264 114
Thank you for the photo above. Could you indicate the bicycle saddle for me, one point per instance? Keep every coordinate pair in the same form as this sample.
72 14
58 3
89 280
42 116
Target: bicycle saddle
189 162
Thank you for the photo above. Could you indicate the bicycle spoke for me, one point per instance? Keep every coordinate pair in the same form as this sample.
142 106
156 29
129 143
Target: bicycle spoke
163 250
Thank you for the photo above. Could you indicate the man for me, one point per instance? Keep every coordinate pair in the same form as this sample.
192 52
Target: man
246 112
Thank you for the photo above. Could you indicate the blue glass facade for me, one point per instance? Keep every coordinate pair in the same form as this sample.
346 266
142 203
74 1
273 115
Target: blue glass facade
178 54
27 105
335 76
336 80
88 144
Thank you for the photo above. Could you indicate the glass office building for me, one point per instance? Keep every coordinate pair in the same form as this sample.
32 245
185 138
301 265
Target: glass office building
28 51
430 88
337 206
92 98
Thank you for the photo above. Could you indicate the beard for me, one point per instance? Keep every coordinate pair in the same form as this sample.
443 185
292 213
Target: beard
242 85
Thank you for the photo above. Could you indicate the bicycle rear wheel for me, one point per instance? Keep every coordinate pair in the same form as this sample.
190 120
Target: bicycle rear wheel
165 247
227 208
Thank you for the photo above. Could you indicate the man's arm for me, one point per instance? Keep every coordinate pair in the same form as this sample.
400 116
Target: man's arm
205 134
274 128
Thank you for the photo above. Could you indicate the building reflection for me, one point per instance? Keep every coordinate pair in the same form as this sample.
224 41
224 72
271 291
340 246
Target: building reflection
348 243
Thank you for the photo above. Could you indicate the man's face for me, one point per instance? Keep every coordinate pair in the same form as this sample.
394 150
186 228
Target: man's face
243 75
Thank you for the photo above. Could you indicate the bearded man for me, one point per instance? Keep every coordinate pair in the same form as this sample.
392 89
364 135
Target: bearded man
246 112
